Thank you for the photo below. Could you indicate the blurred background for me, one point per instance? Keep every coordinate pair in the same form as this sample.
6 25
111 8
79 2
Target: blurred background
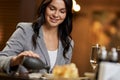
97 21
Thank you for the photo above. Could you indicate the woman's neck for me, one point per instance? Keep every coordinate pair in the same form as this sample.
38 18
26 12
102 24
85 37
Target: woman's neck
50 37
50 30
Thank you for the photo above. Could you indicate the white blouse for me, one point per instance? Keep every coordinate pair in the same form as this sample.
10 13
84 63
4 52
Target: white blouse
53 57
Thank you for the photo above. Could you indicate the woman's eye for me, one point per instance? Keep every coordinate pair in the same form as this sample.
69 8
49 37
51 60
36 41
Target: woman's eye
63 11
51 8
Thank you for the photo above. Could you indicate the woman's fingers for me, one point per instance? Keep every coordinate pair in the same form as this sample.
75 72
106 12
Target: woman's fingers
29 54
32 54
16 60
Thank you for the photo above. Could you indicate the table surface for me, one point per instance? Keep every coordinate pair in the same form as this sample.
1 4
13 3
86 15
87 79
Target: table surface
9 77
4 76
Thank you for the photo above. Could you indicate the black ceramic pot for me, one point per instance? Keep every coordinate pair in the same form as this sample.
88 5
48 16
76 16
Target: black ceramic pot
34 64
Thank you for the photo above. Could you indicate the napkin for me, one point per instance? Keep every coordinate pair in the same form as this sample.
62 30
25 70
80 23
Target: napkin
109 71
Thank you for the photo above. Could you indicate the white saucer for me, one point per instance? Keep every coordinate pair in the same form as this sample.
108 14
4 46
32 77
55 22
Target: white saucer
90 75
34 75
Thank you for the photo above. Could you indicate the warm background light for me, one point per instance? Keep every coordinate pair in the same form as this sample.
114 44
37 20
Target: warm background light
76 7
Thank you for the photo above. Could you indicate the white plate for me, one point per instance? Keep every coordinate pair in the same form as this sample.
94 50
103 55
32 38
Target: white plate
35 75
90 75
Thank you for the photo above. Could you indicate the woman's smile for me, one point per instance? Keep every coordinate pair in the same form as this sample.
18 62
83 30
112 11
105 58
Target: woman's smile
54 20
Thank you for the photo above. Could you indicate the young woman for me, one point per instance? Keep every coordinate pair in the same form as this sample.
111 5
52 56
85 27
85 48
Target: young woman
48 38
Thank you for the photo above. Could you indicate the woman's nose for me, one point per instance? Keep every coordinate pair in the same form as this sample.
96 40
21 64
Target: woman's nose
56 14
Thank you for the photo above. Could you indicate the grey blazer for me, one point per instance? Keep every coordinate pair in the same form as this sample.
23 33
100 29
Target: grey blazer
21 40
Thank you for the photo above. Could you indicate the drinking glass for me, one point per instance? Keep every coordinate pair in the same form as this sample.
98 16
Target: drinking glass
94 56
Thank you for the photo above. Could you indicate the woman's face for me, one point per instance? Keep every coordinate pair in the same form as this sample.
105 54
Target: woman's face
55 13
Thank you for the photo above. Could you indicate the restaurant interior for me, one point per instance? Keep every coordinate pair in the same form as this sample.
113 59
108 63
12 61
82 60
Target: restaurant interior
93 23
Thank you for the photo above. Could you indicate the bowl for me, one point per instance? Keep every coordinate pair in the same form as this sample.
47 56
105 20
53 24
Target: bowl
34 63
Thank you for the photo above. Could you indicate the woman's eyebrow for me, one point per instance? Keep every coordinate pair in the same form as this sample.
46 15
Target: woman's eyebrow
50 5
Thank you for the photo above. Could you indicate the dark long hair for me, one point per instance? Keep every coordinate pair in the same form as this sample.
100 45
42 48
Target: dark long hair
64 29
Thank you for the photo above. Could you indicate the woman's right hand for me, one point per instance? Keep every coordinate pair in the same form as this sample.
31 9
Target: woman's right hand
16 60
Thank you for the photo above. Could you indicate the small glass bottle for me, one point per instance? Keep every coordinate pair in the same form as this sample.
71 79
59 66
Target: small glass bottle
102 54
113 55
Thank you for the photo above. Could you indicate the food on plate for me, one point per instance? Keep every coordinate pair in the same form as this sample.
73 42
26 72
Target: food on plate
66 71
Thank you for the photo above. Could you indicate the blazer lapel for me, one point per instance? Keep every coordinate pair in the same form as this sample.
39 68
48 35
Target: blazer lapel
43 48
59 54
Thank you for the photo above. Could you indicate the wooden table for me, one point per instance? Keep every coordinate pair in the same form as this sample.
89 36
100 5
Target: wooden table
8 77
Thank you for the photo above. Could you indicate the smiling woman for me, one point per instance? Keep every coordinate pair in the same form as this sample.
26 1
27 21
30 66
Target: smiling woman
55 13
48 38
